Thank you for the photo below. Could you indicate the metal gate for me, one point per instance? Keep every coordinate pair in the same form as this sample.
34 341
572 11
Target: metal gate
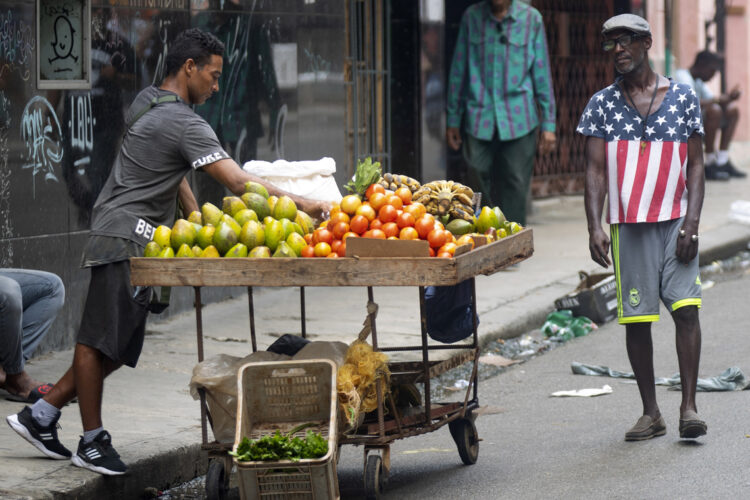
579 68
366 74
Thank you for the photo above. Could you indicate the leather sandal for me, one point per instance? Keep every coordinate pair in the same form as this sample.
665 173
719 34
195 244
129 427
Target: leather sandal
691 426
646 428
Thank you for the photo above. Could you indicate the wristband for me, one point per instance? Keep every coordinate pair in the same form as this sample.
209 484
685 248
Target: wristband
693 237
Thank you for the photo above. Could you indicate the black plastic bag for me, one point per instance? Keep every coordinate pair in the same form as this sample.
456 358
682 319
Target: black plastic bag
288 344
448 310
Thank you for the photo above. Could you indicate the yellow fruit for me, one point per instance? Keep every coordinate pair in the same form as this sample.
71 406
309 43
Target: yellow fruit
304 221
205 236
232 223
272 202
167 253
257 204
260 252
162 236
350 203
210 251
296 242
284 208
197 251
210 214
183 233
184 251
245 215
515 227
288 227
284 250
195 216
254 187
274 234
224 238
238 250
232 204
153 249
486 219
252 234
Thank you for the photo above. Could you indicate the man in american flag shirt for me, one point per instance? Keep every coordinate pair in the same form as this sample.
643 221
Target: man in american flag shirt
644 154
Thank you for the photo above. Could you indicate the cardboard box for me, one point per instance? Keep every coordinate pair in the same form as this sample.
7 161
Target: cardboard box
595 297
373 247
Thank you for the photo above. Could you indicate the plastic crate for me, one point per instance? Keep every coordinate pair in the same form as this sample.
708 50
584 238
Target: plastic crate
282 395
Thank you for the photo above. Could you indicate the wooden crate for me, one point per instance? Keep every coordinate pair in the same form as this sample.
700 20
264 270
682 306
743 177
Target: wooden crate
344 271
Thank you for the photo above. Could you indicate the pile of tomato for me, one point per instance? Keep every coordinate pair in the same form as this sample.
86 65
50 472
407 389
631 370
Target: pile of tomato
384 214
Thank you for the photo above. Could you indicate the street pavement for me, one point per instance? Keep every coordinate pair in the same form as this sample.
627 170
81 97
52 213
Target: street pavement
155 423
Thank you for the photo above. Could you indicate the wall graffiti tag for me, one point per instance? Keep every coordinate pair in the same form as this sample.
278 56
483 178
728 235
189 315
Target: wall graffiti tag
42 135
61 40
16 46
81 125
6 227
162 61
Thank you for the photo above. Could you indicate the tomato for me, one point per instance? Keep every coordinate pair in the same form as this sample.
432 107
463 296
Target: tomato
424 225
308 238
332 255
374 233
372 189
437 238
445 255
340 217
322 249
395 202
405 194
350 203
359 224
432 252
322 235
377 200
390 229
448 247
307 251
392 238
408 233
376 224
439 225
339 230
335 245
341 250
335 208
367 211
350 234
416 209
387 213
405 219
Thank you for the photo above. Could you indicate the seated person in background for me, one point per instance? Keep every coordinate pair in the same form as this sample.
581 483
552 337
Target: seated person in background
29 303
719 113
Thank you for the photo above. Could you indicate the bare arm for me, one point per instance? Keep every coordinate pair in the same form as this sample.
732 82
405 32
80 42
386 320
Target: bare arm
595 191
230 174
687 249
187 198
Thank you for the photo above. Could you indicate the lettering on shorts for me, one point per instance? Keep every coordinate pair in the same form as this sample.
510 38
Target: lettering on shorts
144 230
208 159
634 298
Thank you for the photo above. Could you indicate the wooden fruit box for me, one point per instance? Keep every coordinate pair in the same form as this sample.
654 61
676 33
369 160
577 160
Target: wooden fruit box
344 271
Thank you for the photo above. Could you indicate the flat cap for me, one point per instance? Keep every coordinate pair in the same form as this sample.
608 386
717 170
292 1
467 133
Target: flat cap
630 22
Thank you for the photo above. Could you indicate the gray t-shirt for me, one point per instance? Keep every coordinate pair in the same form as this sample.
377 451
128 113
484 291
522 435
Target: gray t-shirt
157 151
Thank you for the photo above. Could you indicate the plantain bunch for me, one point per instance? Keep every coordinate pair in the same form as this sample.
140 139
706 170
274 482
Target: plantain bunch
446 197
395 181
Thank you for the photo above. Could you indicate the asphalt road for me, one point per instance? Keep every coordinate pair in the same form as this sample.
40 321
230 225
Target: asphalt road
539 447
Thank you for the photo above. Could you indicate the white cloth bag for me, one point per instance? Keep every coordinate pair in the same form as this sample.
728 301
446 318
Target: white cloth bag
311 179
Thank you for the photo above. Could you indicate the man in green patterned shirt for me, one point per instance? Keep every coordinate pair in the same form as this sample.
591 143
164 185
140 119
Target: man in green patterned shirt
500 85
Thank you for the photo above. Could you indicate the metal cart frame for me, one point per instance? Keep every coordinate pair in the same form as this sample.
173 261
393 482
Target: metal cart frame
375 436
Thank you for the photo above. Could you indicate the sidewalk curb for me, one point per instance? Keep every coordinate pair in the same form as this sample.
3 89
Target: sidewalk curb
723 242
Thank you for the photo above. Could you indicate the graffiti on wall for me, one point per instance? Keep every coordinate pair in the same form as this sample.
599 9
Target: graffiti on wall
16 46
42 136
81 125
61 40
162 61
6 227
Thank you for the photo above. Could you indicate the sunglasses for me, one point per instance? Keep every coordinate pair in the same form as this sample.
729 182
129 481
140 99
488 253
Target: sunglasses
623 40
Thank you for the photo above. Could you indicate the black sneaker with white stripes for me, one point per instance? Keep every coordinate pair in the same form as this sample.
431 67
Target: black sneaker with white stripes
99 456
44 438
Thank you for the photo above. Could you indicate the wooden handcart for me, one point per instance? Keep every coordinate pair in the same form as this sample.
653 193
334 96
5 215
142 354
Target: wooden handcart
375 435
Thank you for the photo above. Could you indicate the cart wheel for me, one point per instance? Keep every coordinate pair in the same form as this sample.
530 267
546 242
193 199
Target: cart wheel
375 477
465 435
216 484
